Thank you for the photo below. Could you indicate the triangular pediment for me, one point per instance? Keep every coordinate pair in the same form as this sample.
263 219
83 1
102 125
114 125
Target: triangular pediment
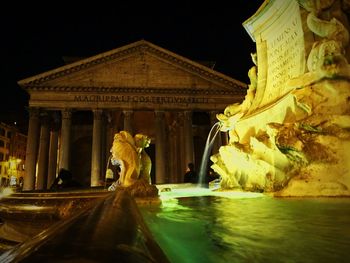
140 65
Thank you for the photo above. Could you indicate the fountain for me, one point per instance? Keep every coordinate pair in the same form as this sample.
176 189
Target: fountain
135 164
37 225
111 230
25 214
290 136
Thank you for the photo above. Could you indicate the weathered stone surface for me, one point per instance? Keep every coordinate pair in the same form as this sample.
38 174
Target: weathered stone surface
140 75
294 138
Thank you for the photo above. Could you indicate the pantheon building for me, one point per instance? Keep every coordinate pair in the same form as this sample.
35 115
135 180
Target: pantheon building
76 109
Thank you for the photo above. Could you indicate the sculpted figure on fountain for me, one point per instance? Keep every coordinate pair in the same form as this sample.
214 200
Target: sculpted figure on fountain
135 164
291 134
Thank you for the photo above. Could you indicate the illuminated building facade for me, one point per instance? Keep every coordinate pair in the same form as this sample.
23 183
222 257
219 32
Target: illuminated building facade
12 155
76 109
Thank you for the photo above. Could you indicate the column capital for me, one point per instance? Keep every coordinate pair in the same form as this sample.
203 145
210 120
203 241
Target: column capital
55 121
66 113
159 114
109 117
187 115
34 112
44 118
128 121
97 114
128 113
180 118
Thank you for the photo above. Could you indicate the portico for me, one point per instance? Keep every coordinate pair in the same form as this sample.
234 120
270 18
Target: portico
141 88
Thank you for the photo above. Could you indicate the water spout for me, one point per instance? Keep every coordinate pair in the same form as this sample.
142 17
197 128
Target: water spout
207 150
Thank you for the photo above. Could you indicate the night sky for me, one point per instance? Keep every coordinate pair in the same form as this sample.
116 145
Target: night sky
35 38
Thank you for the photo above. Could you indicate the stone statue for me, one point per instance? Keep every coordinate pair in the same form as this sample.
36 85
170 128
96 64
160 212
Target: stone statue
234 112
328 54
296 144
135 164
124 152
253 78
142 142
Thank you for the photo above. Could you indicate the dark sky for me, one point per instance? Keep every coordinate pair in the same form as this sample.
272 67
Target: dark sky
35 37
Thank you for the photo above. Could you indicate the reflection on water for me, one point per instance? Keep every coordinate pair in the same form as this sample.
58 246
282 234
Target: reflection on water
260 229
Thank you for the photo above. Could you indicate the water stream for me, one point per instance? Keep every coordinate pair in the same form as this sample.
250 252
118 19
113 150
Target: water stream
203 170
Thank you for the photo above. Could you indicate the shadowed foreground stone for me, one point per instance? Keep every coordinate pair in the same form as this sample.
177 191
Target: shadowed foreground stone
111 231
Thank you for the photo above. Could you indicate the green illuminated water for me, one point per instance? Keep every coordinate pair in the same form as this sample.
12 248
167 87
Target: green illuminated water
259 229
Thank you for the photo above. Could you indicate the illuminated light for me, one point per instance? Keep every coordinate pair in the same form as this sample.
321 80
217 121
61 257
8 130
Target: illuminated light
36 208
6 192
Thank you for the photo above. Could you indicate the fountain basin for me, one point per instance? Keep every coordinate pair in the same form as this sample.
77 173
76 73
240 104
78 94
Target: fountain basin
200 225
25 214
112 230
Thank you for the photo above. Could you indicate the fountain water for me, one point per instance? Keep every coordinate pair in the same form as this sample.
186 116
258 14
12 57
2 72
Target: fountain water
207 151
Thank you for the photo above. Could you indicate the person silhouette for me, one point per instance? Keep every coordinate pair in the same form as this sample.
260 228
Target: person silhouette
191 175
64 180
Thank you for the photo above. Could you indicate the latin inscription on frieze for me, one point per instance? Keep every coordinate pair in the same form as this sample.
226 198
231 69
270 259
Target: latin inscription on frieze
139 99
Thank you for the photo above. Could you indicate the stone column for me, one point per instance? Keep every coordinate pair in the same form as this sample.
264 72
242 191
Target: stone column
104 155
128 116
65 138
43 155
161 159
172 164
218 141
32 149
53 149
181 145
96 149
175 152
188 136
111 129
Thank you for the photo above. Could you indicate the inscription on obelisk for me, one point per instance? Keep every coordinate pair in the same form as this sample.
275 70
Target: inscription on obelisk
280 40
